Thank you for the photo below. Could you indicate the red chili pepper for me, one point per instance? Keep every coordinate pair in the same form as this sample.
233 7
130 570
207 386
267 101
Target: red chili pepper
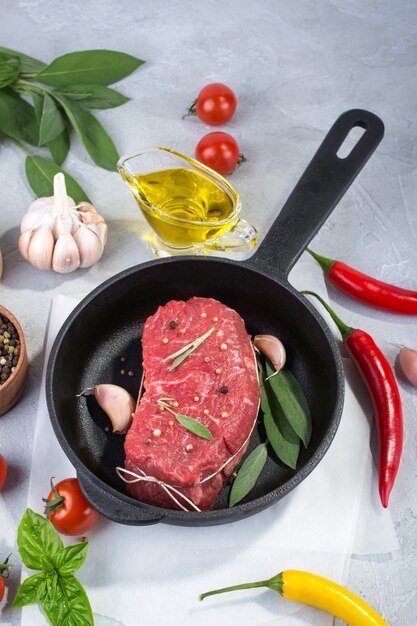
379 379
367 289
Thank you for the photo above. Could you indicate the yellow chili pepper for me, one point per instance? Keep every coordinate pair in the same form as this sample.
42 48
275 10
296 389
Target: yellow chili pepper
319 592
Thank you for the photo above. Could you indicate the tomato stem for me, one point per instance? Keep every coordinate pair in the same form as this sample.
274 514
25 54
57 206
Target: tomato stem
55 504
5 567
192 110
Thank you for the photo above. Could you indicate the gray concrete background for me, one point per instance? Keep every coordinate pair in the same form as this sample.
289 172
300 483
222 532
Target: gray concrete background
294 67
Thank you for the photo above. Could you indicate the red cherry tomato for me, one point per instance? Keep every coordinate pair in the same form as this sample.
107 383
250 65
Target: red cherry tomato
2 588
3 471
68 510
216 104
218 151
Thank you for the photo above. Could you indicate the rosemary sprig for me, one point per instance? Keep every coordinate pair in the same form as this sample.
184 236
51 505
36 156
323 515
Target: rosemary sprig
183 352
194 426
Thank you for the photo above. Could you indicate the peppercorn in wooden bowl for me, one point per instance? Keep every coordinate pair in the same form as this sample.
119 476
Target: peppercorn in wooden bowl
13 360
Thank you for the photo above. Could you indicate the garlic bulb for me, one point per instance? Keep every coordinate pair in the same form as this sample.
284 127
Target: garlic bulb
57 234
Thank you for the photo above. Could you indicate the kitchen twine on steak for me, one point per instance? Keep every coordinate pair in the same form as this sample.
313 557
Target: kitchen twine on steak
170 488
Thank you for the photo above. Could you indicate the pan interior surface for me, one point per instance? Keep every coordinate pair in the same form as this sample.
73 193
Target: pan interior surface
107 326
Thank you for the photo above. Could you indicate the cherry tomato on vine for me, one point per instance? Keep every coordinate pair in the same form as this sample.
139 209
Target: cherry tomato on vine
4 572
219 151
68 510
3 471
215 105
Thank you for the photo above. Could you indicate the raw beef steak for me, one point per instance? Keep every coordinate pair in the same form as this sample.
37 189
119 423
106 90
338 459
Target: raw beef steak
216 384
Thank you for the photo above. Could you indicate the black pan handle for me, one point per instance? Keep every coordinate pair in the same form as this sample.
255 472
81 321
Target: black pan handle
114 508
319 189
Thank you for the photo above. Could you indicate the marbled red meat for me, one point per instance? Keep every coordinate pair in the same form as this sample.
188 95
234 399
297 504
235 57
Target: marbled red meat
157 445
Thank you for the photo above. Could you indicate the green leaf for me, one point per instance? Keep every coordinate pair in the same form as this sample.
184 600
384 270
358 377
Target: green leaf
94 96
71 558
40 173
51 122
38 541
95 139
59 147
284 441
28 65
292 401
18 118
194 426
65 602
29 590
100 67
248 474
9 69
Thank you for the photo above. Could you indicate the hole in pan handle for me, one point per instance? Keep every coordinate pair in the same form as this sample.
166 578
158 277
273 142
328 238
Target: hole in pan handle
111 506
318 191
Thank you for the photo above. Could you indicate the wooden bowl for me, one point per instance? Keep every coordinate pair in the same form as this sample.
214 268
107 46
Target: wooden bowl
12 389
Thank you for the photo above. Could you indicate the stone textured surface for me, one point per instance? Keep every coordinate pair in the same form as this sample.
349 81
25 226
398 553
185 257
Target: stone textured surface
295 67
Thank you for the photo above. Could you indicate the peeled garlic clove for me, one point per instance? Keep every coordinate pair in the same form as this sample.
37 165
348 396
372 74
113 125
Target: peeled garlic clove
272 348
117 403
66 257
408 363
24 241
41 248
89 246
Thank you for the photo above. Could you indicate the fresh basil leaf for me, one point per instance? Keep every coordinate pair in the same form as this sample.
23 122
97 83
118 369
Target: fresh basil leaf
51 123
95 139
9 69
292 400
17 118
94 96
99 67
248 474
38 541
28 65
40 173
194 426
29 590
59 147
71 558
65 602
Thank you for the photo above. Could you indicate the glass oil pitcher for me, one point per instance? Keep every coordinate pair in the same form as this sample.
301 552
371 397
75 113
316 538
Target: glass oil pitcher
190 208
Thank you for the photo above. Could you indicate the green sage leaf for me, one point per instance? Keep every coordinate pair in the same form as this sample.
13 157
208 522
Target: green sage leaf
37 541
194 426
29 590
96 141
248 474
18 118
284 441
59 147
28 65
51 122
65 602
94 96
40 173
99 67
292 400
71 558
9 69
